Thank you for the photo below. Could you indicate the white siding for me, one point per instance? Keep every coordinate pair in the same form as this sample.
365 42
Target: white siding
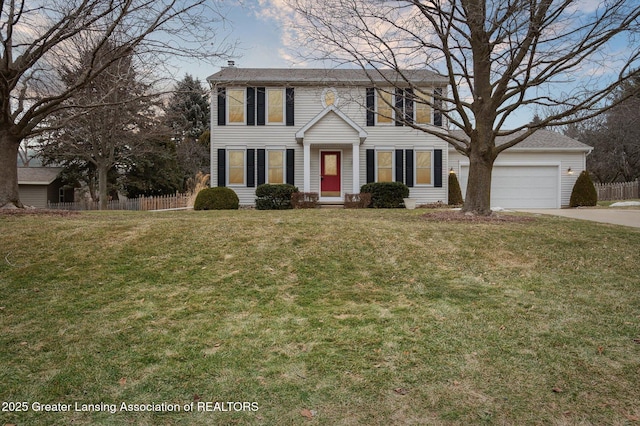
331 129
575 160
346 164
407 138
330 132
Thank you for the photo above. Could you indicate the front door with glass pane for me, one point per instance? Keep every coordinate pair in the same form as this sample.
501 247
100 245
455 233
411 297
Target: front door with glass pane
330 174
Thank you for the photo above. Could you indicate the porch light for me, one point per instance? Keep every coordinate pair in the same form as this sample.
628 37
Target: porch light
569 171
452 171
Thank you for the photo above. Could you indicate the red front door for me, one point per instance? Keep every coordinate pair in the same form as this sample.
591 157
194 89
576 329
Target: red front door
330 174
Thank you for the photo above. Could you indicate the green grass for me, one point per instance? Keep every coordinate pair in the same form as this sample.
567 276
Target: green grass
371 317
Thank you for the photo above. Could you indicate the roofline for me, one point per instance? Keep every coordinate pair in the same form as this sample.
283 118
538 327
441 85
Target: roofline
362 134
438 80
44 182
531 149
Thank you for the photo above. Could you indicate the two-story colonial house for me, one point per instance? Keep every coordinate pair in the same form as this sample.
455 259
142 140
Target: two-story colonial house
326 130
330 131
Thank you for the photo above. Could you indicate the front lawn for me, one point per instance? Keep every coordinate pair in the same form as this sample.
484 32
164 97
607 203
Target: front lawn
349 317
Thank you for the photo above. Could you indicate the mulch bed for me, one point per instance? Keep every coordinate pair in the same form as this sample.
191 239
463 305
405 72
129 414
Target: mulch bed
458 216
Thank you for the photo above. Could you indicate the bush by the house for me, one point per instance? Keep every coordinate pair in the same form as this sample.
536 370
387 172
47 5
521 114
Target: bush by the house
218 198
455 194
304 200
583 193
357 201
274 197
386 195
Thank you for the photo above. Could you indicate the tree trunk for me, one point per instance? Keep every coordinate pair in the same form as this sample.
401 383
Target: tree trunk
478 196
9 196
102 186
481 159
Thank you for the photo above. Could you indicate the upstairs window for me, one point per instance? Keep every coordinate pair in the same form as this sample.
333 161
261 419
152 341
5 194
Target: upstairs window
256 106
235 106
404 106
275 106
384 107
329 97
422 107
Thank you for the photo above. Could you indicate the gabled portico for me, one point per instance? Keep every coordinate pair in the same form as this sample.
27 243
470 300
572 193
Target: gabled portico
335 137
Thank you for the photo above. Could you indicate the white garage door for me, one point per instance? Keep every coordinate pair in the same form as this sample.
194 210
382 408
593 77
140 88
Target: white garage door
521 186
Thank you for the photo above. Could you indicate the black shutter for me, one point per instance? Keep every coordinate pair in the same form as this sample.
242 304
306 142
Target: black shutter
409 168
291 166
251 106
261 106
371 101
437 168
399 166
251 168
371 166
222 106
262 178
437 103
399 107
222 168
289 107
408 106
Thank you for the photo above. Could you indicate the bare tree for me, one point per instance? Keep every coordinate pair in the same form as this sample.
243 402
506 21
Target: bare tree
499 56
615 138
39 36
107 122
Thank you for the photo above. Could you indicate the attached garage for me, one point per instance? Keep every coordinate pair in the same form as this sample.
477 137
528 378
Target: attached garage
521 185
539 172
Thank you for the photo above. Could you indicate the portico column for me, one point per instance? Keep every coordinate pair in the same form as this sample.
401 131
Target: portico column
307 167
356 167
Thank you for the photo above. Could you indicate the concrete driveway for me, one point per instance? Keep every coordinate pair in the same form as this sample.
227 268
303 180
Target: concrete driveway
614 216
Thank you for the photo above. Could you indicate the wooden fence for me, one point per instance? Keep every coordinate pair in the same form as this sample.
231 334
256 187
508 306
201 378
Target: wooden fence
618 191
163 202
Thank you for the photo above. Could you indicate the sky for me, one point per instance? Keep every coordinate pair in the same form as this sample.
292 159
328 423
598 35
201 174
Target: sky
258 34
260 31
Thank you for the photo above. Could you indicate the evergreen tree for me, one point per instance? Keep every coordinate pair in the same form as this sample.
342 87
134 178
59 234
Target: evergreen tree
187 114
583 193
188 109
455 194
154 173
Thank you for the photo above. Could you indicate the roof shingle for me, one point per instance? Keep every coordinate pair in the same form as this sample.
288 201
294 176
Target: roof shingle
37 175
541 139
335 76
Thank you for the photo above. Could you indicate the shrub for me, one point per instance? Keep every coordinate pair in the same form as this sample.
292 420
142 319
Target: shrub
357 201
274 197
455 194
218 198
583 193
386 195
304 200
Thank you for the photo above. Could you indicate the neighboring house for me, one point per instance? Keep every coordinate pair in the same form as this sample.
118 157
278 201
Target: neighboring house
331 131
39 185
